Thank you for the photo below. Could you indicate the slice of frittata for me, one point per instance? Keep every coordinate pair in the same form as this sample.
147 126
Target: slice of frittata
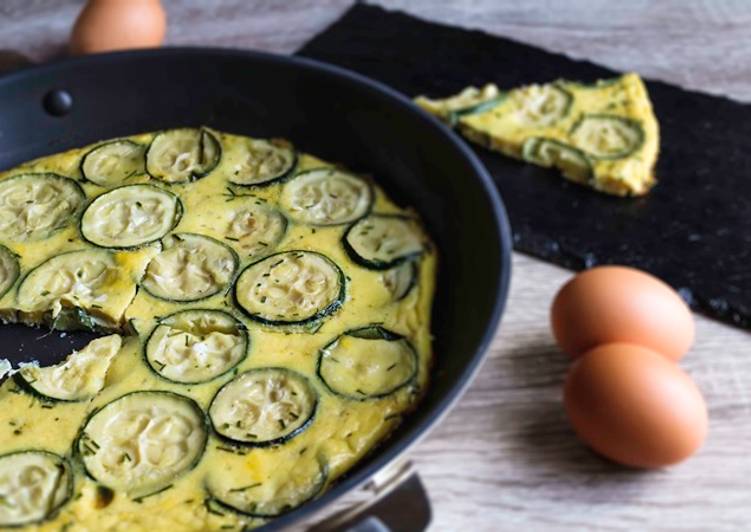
603 135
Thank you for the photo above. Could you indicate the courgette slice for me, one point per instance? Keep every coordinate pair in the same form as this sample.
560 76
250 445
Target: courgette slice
78 378
130 216
76 279
263 407
112 163
540 105
9 269
382 241
293 483
261 162
33 206
190 267
551 153
291 287
142 441
182 155
603 136
400 280
471 100
34 485
196 346
367 363
255 229
326 196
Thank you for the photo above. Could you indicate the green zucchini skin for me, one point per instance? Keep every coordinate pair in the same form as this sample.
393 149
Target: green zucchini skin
179 211
240 326
275 441
532 144
108 143
476 109
312 320
412 282
376 264
15 264
369 332
627 122
235 259
194 176
280 178
318 488
69 485
27 387
205 426
69 181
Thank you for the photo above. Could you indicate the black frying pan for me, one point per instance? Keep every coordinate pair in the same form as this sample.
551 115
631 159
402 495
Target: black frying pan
325 110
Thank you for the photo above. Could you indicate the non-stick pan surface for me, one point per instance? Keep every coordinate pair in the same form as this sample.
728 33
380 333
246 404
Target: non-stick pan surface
324 110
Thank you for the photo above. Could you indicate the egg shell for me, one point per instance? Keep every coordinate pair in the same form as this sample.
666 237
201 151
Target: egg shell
106 25
635 406
619 304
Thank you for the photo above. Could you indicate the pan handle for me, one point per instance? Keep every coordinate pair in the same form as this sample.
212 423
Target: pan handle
399 503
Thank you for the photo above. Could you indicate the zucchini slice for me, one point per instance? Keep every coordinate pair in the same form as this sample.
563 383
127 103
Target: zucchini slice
33 206
74 279
471 100
130 216
190 267
293 483
141 442
78 378
400 281
367 363
603 136
261 162
255 229
326 196
33 486
540 105
263 407
9 269
551 153
291 287
182 155
112 163
196 346
382 241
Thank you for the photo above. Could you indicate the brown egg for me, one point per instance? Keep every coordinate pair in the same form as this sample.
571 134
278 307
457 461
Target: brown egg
618 304
635 406
106 25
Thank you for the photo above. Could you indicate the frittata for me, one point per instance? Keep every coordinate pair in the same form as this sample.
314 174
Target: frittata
265 319
603 135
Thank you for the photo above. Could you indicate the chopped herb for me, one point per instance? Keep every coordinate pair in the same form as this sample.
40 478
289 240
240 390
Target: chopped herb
233 239
392 366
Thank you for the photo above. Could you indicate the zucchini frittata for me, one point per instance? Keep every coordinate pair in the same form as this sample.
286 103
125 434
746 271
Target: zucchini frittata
265 321
603 135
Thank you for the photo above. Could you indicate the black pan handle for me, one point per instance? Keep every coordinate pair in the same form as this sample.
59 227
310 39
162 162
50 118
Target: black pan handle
399 503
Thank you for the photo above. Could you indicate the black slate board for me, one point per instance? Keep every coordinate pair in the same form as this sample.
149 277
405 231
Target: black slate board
693 230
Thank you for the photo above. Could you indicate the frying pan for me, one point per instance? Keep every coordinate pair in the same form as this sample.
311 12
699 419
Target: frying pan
334 113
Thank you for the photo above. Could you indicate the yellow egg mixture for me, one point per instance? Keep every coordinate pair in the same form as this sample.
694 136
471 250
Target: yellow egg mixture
268 320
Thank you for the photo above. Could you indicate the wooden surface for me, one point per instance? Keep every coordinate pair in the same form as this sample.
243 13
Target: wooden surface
505 457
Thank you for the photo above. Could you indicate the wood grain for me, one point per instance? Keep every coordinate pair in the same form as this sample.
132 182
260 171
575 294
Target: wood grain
505 458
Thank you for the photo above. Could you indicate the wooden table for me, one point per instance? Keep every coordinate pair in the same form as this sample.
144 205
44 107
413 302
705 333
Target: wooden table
505 458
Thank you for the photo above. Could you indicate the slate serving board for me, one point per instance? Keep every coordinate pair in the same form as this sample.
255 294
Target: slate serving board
693 230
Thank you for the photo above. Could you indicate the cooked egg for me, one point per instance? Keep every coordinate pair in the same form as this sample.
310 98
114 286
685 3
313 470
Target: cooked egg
618 304
107 25
635 406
